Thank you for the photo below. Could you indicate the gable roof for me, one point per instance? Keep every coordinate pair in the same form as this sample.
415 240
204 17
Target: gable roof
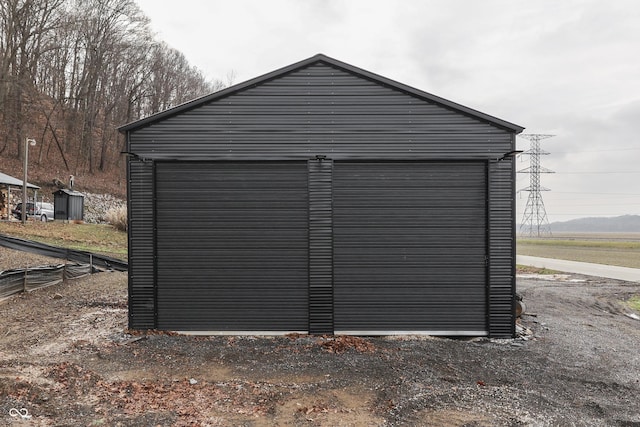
15 182
332 62
68 192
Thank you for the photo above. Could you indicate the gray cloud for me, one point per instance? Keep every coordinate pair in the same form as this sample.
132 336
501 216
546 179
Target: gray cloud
568 68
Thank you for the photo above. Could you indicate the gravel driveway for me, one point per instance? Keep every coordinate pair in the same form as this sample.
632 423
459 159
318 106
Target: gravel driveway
65 356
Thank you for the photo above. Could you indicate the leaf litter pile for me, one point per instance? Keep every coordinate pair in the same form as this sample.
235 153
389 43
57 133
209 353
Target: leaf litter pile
340 344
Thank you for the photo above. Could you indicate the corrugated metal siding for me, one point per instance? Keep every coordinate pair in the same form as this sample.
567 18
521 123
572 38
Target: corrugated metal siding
327 110
501 249
141 246
320 110
410 247
232 246
76 207
320 247
60 206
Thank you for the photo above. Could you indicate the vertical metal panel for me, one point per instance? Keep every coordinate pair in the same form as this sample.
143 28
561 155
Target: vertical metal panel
501 249
76 207
320 247
60 206
410 247
141 246
232 246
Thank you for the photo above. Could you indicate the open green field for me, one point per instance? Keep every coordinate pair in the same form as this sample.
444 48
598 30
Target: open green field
621 249
97 238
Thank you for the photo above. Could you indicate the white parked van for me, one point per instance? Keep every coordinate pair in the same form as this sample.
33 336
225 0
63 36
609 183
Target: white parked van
44 211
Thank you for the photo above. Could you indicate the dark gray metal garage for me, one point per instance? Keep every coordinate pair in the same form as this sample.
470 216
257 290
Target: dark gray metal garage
322 198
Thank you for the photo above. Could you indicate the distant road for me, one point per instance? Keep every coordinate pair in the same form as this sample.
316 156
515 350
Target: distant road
599 270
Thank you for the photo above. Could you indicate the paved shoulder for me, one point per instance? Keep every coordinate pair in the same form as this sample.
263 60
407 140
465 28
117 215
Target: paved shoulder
589 269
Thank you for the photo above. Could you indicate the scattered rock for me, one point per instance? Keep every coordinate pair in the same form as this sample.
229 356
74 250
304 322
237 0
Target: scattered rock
96 207
523 332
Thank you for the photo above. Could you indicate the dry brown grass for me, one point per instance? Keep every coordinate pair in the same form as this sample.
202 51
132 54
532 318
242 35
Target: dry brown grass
98 238
117 217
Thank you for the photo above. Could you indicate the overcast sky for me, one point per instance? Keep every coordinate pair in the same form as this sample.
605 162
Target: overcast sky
569 68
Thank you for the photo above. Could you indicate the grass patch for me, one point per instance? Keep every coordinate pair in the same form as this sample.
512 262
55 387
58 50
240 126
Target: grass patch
98 238
604 244
527 269
622 251
634 302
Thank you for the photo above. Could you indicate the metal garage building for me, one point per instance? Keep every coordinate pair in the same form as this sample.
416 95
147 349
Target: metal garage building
322 198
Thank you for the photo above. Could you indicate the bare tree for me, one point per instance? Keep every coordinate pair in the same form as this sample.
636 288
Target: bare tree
24 29
72 70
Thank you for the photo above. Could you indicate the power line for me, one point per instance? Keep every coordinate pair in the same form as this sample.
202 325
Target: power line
534 220
590 198
597 172
600 194
590 205
597 151
585 215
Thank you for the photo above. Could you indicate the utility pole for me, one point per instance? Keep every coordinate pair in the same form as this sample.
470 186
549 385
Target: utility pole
534 220
25 211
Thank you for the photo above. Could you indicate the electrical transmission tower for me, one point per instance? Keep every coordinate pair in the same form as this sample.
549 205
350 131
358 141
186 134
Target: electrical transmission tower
534 219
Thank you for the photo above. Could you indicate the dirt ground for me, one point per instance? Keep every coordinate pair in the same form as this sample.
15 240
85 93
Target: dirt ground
67 359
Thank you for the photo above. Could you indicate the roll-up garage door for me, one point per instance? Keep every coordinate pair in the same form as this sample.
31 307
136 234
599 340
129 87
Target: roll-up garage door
232 246
409 247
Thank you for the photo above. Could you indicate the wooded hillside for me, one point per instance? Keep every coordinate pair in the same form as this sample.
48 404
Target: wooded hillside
73 70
